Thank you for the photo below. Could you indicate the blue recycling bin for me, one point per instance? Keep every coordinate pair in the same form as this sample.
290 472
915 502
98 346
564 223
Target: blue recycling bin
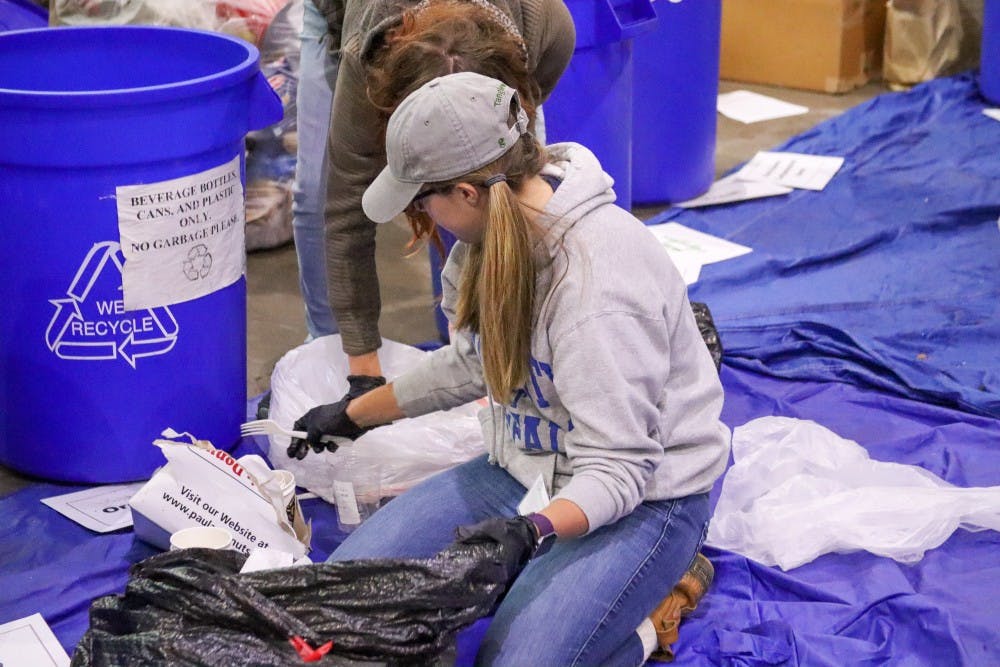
676 87
989 60
123 304
592 103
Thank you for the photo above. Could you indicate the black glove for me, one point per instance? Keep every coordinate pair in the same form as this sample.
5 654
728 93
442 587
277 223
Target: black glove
362 384
330 419
516 537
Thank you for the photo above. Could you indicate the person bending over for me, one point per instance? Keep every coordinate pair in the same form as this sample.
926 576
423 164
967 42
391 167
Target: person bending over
575 324
389 48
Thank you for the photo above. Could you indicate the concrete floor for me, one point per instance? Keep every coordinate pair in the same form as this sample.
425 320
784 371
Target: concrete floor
275 316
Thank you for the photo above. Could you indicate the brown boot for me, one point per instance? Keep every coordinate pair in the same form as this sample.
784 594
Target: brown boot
681 601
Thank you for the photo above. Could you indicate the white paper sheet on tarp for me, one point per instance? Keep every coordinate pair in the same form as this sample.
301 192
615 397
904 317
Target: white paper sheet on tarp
182 238
101 509
733 189
797 491
748 107
409 450
29 642
992 113
792 170
688 247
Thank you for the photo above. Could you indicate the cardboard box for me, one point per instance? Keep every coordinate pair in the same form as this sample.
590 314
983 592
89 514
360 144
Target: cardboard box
826 45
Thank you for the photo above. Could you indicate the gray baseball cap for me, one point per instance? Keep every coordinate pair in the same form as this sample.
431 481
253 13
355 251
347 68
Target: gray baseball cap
447 128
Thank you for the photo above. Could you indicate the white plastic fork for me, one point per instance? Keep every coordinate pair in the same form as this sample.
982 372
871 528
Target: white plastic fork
271 427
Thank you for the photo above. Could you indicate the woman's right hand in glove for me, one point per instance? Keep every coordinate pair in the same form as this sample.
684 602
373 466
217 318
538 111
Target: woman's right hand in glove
330 419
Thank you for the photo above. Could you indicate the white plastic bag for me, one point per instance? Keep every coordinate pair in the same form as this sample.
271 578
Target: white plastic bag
797 491
407 451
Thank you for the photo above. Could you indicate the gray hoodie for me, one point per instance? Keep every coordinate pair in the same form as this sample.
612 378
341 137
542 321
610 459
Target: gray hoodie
623 401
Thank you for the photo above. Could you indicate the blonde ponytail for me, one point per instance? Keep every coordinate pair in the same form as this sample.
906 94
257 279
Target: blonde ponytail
496 292
507 284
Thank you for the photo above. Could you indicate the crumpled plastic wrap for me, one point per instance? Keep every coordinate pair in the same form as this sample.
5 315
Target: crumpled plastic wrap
797 491
192 607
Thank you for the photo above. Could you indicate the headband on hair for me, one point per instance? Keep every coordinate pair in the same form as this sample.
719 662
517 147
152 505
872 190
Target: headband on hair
502 19
493 180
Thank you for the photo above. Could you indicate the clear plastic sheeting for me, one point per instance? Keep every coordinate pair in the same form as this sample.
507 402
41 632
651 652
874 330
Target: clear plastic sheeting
406 452
797 491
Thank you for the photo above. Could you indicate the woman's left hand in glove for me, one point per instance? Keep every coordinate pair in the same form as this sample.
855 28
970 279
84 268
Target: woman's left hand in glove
516 537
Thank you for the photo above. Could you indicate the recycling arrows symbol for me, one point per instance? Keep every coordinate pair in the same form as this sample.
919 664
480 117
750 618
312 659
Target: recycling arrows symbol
92 324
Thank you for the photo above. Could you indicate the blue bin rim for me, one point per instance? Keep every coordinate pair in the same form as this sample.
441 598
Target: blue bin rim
240 72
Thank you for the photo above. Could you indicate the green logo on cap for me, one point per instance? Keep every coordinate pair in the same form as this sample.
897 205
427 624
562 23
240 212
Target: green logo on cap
499 98
502 142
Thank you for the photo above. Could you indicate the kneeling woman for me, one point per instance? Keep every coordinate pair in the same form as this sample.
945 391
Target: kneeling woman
571 318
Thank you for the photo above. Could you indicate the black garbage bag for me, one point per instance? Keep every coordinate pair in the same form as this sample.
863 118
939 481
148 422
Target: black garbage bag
192 607
703 316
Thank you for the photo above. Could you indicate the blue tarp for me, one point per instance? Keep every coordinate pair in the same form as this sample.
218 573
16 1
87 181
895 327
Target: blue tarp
870 307
860 609
838 610
890 277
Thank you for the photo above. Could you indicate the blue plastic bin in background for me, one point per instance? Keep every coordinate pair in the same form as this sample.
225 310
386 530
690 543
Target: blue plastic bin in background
592 103
21 15
675 91
87 386
989 69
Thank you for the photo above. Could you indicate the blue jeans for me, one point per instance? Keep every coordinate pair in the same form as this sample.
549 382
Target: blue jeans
313 100
580 603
